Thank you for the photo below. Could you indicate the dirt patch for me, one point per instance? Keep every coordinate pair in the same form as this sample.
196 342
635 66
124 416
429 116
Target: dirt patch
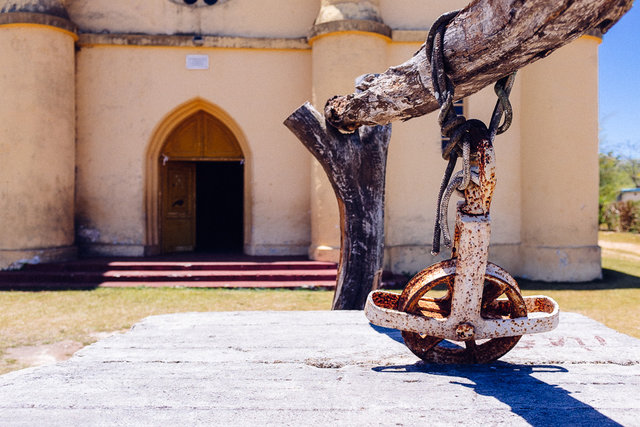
630 251
47 354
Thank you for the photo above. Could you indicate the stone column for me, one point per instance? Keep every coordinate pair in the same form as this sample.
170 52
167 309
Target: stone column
37 132
348 39
560 165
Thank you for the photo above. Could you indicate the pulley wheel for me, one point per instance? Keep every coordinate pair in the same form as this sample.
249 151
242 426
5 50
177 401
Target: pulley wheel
438 350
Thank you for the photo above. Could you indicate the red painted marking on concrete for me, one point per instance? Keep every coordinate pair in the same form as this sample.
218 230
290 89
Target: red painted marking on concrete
526 343
581 343
558 342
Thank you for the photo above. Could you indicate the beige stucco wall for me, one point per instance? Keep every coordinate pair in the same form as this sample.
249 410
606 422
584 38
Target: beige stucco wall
415 14
414 173
37 136
544 212
247 18
337 60
560 164
524 240
118 111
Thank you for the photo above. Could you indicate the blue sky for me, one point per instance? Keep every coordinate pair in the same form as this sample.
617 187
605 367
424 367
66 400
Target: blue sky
619 86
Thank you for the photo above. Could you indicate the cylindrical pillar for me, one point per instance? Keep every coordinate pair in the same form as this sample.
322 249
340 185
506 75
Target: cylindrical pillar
37 133
560 165
348 40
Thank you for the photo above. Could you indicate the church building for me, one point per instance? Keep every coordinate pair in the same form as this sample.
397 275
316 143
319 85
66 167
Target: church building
141 127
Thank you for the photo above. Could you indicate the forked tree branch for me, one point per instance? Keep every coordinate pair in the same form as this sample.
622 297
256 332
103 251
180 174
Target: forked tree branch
356 167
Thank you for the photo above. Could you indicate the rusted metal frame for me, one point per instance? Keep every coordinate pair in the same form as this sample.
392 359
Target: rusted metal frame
471 249
470 268
385 314
428 347
542 316
471 245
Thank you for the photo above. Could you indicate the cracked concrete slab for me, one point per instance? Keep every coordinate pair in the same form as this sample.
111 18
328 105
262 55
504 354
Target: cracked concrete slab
303 368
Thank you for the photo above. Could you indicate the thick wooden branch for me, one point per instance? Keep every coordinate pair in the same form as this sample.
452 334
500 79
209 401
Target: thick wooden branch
356 166
489 39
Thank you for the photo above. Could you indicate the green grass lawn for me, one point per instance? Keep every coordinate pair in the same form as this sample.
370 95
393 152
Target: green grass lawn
37 318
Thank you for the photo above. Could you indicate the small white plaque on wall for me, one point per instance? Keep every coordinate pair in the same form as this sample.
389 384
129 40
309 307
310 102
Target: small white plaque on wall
197 62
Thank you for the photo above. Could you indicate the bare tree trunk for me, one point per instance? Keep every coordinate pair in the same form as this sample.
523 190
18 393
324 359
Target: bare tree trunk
356 166
488 40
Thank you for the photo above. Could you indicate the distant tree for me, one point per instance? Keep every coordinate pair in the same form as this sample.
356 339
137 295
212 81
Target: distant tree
632 167
616 173
627 154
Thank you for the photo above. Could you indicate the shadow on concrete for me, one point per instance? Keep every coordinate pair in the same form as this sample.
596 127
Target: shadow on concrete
537 402
394 334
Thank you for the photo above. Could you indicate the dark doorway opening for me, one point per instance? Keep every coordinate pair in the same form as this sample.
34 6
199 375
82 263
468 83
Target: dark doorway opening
219 206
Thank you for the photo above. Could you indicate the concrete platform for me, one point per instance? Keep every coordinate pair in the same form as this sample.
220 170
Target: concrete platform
324 368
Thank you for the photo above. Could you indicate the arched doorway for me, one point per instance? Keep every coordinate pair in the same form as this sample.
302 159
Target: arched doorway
201 183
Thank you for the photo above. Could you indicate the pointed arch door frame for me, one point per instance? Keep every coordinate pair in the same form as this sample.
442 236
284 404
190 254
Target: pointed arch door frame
152 166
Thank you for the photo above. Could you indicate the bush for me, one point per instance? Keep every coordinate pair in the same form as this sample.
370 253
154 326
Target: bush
609 216
621 216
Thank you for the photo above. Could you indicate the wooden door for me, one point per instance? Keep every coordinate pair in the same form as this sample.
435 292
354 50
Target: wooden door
200 138
179 207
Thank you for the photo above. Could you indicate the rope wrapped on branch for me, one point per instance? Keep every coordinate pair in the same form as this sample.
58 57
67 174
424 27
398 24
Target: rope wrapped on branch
486 41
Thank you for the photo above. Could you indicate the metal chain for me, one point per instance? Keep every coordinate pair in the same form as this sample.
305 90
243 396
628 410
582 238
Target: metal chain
456 127
447 117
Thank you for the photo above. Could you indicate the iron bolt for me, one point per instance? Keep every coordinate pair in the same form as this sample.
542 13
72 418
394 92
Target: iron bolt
465 331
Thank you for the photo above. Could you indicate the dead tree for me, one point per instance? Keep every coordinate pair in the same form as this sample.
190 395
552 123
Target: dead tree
356 166
486 41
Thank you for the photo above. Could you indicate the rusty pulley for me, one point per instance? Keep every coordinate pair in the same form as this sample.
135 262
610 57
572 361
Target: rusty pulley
483 314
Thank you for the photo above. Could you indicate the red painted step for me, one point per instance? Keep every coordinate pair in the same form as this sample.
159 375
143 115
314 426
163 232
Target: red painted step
167 275
84 266
200 271
294 284
180 271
